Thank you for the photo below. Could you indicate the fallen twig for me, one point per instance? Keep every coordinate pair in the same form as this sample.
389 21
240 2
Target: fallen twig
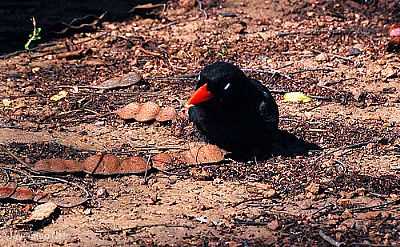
330 205
351 146
247 200
85 199
268 71
148 168
277 91
167 147
72 26
365 31
302 70
182 77
6 175
202 9
164 26
29 168
135 228
385 204
20 172
330 240
23 163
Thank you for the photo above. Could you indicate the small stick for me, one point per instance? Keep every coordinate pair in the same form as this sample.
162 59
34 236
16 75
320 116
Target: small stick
164 26
330 240
147 148
277 91
331 83
330 205
267 70
385 204
6 175
23 163
147 169
29 167
247 200
302 70
351 146
201 8
85 199
135 228
182 77
26 174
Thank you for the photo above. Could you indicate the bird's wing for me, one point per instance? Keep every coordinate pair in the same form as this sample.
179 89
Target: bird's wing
267 107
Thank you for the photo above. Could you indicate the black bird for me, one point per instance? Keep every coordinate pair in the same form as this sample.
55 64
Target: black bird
233 111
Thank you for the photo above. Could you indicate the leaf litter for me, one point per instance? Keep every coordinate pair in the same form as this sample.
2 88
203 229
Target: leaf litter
297 35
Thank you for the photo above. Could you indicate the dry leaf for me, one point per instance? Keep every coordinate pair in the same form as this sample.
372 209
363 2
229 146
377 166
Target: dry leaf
344 202
57 166
305 204
35 69
148 111
389 72
57 97
296 97
6 102
7 190
146 6
129 111
187 4
162 161
266 189
42 212
41 197
90 164
394 31
322 57
166 114
93 62
22 194
313 188
203 154
273 225
121 82
108 165
134 165
238 27
267 35
368 215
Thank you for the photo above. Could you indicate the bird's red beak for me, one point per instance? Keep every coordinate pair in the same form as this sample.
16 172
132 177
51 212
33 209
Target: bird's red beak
201 95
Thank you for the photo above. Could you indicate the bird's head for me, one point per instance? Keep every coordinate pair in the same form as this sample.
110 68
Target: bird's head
220 81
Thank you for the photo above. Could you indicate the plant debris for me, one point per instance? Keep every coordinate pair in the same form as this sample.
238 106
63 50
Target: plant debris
41 212
296 97
57 166
126 80
109 164
12 191
146 112
78 152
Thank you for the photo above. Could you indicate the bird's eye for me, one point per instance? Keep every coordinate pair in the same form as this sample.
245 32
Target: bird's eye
198 78
227 86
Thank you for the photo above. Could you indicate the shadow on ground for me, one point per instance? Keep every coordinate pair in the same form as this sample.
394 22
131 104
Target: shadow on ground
283 143
57 18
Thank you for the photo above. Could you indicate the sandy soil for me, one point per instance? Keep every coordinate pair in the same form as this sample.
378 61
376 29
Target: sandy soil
333 50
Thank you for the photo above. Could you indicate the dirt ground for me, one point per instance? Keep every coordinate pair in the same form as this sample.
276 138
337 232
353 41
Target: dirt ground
346 194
